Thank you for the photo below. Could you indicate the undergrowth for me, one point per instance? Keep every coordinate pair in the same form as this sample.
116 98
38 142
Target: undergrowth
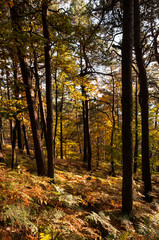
79 206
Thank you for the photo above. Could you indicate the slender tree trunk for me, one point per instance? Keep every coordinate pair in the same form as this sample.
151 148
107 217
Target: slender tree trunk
29 93
136 129
98 152
127 150
88 137
146 174
19 134
16 93
14 145
8 93
56 109
49 144
112 172
61 124
156 118
86 109
1 133
61 137
1 125
43 120
26 139
84 129
78 132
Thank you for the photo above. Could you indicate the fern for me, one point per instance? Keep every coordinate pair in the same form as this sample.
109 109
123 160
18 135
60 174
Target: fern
125 235
16 215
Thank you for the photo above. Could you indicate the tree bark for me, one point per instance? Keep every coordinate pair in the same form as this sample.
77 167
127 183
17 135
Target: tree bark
8 93
19 134
84 128
146 174
1 133
29 94
61 123
14 144
136 129
1 124
89 159
127 150
49 144
112 172
43 120
26 140
56 109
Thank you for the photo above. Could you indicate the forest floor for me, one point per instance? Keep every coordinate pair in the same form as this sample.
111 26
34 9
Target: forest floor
80 205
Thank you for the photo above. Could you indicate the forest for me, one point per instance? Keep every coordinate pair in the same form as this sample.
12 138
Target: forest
79 119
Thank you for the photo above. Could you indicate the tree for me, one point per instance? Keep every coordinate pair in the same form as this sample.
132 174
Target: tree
49 143
127 45
16 13
143 98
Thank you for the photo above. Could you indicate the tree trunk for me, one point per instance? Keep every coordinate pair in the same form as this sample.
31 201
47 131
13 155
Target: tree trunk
61 124
136 129
127 151
49 144
78 132
43 120
8 93
1 133
14 145
156 118
1 125
146 174
19 134
89 158
56 109
26 140
112 172
84 128
34 119
29 94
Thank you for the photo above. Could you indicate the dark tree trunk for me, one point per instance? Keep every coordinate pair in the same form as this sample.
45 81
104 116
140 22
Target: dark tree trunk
61 124
34 119
29 94
86 111
49 144
56 109
8 93
43 121
85 134
98 152
84 129
1 125
78 132
146 174
61 137
87 154
112 172
136 129
1 133
89 158
14 145
26 140
156 118
127 150
19 134
16 93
